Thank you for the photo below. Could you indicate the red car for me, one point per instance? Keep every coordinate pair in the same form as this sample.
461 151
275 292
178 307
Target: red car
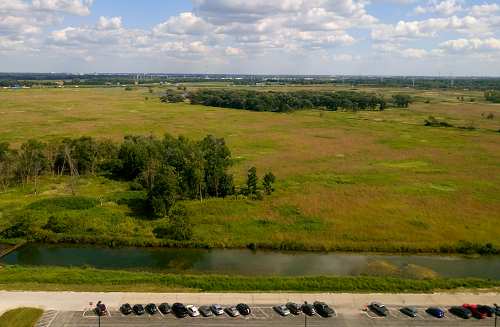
475 312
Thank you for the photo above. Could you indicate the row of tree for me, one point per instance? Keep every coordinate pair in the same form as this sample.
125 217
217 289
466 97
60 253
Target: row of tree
492 96
169 168
291 101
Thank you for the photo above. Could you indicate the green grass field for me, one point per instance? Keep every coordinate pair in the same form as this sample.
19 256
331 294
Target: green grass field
88 279
376 181
22 317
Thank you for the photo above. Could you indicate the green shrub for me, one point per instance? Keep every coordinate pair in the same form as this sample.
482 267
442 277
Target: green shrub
64 202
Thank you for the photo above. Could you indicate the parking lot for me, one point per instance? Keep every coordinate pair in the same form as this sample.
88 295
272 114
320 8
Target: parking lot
263 316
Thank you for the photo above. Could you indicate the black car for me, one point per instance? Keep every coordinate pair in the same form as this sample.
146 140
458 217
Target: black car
409 311
435 312
294 308
165 308
205 311
100 309
323 309
486 309
138 309
179 310
243 309
126 309
379 309
151 308
308 309
461 312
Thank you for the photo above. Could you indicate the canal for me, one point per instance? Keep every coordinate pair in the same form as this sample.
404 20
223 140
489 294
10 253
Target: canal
246 262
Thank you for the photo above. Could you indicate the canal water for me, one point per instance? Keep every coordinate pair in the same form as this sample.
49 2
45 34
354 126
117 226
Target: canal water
244 262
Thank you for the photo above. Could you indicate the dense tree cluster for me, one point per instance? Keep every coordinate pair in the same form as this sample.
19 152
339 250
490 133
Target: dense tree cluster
167 169
288 101
492 96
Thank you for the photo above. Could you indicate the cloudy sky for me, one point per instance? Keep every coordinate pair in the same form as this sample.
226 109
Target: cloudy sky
403 37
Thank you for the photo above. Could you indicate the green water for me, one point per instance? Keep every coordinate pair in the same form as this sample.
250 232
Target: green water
243 262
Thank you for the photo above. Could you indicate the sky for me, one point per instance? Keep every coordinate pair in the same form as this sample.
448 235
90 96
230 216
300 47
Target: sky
326 37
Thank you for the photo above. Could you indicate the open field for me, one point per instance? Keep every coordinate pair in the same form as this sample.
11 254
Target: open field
376 181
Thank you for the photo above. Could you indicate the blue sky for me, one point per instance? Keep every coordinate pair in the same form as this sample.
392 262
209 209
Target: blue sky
389 37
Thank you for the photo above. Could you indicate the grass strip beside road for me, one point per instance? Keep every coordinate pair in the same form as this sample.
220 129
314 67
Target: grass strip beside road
90 279
22 317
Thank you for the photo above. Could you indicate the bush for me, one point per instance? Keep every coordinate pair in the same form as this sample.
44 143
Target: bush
66 202
433 122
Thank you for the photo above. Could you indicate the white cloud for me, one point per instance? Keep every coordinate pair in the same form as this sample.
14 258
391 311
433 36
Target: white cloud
485 9
185 23
75 7
443 7
475 44
230 51
111 23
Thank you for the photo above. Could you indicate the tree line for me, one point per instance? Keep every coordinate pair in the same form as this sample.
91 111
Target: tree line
290 101
168 169
492 96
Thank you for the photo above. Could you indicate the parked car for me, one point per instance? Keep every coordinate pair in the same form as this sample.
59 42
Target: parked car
282 310
217 309
243 309
179 310
379 309
205 311
323 309
165 308
461 312
126 309
435 312
475 312
409 311
232 311
486 309
138 309
192 310
294 308
308 309
100 309
151 309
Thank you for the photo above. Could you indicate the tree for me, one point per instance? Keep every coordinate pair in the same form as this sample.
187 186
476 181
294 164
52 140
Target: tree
401 100
252 181
268 182
6 165
32 161
163 193
217 159
181 229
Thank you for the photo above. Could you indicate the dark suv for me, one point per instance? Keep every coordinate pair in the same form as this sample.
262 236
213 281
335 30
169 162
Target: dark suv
323 309
179 310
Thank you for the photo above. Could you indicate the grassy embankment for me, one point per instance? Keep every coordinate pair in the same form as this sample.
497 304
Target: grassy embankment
88 279
22 317
366 181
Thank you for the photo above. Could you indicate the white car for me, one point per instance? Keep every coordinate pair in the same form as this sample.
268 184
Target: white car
192 310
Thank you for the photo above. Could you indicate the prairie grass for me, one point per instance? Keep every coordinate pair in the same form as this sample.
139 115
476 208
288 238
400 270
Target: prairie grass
376 181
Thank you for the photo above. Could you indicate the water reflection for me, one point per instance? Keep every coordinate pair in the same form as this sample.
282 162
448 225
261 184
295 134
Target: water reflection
245 262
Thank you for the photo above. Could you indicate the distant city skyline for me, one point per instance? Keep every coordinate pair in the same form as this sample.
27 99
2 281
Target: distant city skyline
285 37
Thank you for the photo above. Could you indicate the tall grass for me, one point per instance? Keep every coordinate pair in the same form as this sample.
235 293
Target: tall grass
94 279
